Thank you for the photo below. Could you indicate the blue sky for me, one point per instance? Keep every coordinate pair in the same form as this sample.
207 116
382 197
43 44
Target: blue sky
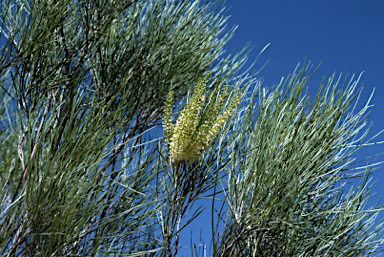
346 36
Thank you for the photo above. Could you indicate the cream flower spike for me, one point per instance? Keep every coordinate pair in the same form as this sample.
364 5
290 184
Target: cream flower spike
196 129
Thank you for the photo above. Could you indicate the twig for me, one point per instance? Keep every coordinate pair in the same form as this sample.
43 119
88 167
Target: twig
41 125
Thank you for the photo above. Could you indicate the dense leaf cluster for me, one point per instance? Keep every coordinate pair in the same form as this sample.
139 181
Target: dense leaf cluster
85 169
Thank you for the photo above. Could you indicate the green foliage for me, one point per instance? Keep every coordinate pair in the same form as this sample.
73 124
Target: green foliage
85 168
285 173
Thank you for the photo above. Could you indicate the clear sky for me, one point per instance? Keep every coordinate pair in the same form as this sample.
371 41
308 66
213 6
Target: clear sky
346 35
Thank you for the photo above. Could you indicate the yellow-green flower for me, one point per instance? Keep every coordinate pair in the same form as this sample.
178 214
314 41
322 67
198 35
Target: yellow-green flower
198 123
